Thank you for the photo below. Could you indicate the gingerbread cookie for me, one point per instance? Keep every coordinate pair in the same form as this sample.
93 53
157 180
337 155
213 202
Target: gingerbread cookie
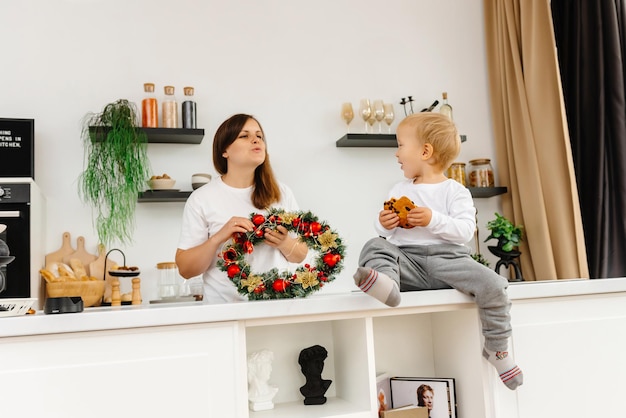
401 207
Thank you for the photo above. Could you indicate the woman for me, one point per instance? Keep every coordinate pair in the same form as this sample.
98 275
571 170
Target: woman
425 396
217 210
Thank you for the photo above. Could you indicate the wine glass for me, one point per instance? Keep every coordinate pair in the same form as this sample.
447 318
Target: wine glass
371 121
347 113
365 110
389 115
379 113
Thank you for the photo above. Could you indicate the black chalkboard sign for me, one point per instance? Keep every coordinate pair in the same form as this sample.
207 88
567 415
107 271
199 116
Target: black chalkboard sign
17 148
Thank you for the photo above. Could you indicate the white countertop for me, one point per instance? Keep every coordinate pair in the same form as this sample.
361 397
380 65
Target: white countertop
148 315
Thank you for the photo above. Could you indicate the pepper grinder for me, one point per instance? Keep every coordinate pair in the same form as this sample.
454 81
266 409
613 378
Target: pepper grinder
136 296
116 299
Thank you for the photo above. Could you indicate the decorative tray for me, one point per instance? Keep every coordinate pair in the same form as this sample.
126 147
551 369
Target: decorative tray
124 273
15 307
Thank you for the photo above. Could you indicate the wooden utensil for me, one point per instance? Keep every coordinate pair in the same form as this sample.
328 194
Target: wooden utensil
85 257
96 267
57 256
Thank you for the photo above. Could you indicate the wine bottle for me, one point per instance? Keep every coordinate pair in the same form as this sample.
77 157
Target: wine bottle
446 109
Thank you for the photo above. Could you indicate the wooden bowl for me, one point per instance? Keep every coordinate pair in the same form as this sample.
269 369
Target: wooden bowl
91 291
161 184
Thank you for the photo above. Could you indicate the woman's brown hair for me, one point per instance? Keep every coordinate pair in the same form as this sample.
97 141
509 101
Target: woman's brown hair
266 190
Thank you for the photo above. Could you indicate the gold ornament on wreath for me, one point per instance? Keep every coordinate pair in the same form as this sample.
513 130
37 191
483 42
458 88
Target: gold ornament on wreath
272 284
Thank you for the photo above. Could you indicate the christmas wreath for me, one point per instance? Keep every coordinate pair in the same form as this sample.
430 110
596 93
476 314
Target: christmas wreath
318 236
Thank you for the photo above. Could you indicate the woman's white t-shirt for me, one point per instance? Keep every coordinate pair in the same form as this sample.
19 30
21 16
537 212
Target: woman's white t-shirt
207 210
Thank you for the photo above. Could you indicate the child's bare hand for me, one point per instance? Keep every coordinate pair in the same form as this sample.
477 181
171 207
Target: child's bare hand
419 216
388 219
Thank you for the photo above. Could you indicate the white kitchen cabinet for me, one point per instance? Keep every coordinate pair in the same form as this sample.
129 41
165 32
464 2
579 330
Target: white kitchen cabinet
398 342
349 364
157 371
445 344
190 359
572 350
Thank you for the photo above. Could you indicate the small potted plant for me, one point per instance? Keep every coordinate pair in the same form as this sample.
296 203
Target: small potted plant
116 169
509 237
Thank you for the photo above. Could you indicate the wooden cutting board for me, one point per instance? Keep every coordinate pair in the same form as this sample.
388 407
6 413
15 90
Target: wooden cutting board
57 256
81 253
96 267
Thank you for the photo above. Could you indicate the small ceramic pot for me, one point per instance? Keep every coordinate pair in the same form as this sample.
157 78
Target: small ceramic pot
199 180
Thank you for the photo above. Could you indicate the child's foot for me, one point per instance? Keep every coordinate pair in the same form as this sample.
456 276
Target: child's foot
378 285
509 372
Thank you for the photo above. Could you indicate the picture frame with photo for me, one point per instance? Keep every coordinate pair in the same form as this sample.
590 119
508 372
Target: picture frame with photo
404 391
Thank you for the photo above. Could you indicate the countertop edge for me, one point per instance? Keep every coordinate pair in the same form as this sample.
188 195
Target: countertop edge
325 304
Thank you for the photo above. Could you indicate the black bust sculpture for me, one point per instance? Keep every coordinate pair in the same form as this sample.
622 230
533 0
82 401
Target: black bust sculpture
311 361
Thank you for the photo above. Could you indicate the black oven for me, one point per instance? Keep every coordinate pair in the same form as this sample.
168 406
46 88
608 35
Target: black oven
15 214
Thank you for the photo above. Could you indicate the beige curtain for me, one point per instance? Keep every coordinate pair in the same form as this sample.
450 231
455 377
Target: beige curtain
532 142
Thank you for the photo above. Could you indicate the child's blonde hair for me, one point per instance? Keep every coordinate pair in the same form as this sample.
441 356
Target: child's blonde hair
439 131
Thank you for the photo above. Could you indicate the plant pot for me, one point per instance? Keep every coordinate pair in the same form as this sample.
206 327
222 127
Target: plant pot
505 255
507 259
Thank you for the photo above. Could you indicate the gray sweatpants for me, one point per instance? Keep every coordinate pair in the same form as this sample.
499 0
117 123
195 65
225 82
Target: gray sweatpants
444 266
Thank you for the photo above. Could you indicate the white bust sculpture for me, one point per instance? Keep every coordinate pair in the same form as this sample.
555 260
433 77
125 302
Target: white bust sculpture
260 393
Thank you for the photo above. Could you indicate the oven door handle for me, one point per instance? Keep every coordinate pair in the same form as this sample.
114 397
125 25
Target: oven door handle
9 213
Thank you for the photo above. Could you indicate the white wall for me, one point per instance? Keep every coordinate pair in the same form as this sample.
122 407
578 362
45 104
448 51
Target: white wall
290 63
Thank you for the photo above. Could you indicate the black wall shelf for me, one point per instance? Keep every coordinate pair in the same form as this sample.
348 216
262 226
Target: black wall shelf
372 140
162 135
150 196
480 192
368 140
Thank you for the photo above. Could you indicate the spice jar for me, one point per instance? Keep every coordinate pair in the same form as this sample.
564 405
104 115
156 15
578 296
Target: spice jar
457 172
189 109
149 108
480 173
169 117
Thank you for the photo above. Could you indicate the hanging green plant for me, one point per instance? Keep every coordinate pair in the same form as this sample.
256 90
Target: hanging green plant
116 169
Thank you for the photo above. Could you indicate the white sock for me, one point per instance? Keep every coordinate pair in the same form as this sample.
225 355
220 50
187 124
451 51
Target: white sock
510 374
378 285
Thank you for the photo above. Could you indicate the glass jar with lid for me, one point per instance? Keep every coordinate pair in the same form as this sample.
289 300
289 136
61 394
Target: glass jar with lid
169 117
457 172
189 109
480 173
149 108
168 282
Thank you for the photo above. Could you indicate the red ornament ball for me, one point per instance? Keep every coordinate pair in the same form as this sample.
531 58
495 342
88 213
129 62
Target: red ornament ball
331 259
258 219
280 285
232 270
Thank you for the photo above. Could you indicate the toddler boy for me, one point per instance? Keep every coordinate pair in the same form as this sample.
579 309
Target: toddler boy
429 253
